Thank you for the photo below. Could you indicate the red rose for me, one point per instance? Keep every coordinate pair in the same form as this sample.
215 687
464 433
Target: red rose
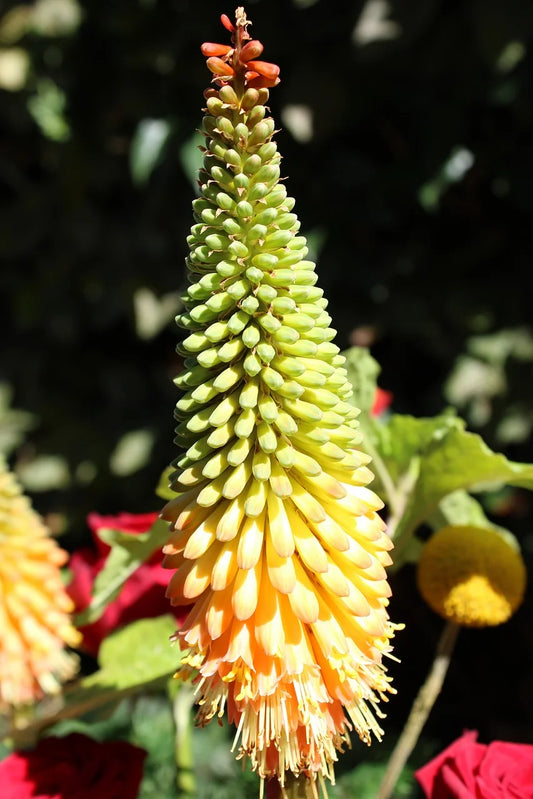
142 595
470 770
73 767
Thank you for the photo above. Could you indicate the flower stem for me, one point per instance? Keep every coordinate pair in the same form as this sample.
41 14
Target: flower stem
300 787
420 710
183 702
394 500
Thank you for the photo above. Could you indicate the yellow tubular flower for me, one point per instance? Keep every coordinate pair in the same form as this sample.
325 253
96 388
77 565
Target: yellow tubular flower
276 539
34 607
473 576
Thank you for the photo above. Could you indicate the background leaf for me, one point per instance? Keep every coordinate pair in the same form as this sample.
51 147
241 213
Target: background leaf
134 659
449 459
363 371
128 551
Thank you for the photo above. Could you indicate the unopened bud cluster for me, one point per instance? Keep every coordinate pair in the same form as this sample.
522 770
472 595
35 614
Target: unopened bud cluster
260 367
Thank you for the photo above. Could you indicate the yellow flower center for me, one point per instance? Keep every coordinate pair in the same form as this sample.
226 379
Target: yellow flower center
472 576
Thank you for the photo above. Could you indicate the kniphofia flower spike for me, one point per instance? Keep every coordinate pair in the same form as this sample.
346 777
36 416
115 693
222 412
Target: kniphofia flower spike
275 536
35 625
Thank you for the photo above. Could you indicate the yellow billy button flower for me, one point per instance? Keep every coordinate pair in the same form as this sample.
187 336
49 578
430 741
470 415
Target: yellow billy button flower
276 539
472 576
34 607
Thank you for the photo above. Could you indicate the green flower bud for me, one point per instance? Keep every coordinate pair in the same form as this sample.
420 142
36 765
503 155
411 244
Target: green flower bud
252 365
228 96
240 450
245 424
251 336
264 292
250 305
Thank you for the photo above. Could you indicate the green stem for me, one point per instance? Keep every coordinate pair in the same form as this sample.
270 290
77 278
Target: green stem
183 702
420 710
394 499
300 787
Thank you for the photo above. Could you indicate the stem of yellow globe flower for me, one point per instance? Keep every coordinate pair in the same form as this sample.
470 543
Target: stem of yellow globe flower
420 710
185 780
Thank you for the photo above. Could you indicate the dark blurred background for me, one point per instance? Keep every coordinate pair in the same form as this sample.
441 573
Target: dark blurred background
406 130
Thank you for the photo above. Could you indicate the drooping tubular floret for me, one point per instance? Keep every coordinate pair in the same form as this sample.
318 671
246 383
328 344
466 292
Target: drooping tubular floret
276 537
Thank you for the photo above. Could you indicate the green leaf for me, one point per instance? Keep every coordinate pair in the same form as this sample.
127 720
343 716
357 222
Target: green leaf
132 452
147 148
191 157
128 551
364 781
14 423
459 508
363 371
449 459
136 655
131 660
405 438
47 107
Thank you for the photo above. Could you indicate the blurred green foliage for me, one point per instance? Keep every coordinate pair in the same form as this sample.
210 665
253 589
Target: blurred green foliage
407 142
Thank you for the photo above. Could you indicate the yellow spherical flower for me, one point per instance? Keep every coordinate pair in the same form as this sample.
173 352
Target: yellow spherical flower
276 539
472 576
34 607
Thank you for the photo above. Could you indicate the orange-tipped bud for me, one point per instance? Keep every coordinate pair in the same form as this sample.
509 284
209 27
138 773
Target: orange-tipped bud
219 67
250 50
256 81
264 68
213 49
228 24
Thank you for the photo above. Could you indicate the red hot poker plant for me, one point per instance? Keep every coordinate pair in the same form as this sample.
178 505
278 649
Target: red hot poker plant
276 539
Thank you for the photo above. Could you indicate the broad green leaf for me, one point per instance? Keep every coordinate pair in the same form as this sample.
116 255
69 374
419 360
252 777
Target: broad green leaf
453 460
137 654
405 438
128 551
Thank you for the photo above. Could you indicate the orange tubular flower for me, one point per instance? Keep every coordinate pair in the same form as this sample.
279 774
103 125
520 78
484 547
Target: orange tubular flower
276 539
34 607
236 64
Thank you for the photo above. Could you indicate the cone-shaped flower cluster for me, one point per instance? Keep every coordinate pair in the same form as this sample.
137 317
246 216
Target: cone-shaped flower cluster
34 607
276 538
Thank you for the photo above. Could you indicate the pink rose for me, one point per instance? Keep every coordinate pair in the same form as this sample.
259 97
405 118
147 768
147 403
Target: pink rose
73 767
470 770
142 595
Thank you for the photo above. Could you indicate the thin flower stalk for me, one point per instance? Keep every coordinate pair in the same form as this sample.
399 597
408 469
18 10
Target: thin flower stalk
276 539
